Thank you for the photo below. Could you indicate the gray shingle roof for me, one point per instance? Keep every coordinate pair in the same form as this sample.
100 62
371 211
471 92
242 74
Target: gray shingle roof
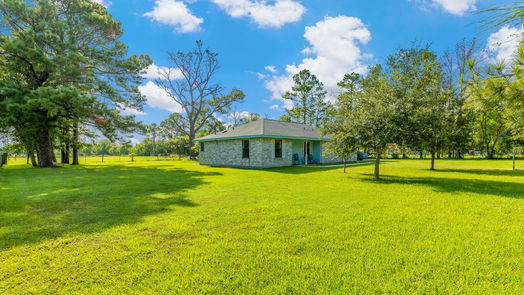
268 128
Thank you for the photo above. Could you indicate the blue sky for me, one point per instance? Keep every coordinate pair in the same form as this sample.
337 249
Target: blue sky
262 43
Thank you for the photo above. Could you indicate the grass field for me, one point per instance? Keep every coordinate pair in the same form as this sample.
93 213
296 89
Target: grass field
172 226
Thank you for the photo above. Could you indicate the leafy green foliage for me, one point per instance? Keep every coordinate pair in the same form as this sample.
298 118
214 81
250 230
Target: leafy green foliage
309 100
63 61
344 141
367 115
422 100
509 15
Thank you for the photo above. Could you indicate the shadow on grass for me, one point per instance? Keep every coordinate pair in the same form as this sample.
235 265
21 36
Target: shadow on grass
40 204
458 185
320 168
492 172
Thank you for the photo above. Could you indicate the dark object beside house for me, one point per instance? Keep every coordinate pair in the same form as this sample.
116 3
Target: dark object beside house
361 156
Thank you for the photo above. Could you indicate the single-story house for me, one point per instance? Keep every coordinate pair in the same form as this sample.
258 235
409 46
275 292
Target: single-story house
264 144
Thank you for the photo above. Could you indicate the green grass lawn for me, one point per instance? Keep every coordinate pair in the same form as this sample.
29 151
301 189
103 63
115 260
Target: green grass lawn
170 226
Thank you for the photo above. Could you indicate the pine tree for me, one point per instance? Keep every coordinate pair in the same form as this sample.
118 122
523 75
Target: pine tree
63 62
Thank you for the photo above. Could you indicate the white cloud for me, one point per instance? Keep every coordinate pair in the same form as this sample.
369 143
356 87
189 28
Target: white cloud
105 3
274 107
503 44
158 98
157 72
334 43
127 111
261 76
176 14
455 7
271 69
132 112
265 15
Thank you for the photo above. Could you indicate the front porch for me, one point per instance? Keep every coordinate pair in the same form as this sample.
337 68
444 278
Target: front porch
306 152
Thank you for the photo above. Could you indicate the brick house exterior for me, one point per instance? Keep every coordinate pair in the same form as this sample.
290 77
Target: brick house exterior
264 144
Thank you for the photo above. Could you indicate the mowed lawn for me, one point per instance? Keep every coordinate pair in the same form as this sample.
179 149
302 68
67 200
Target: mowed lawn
174 227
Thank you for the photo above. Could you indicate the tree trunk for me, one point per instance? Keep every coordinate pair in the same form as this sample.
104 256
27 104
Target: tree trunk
376 175
514 168
192 155
404 156
432 161
64 155
491 153
421 155
67 152
75 145
34 163
27 162
45 149
345 165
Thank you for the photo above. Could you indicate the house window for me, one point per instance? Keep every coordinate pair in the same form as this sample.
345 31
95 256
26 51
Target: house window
278 148
245 149
201 146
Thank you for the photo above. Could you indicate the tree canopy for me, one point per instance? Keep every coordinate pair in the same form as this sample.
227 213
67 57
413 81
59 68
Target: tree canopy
63 63
308 97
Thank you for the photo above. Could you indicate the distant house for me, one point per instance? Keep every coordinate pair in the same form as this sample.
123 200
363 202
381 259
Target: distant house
264 144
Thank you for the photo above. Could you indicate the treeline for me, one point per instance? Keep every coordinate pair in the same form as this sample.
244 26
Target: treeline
148 147
418 102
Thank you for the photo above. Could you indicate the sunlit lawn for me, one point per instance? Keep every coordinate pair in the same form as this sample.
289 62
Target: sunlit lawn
172 226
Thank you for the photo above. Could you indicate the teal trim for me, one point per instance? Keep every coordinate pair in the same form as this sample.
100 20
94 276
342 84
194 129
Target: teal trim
263 136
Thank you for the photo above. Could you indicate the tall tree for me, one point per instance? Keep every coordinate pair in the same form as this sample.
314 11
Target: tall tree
153 131
368 118
189 81
456 65
421 98
515 97
64 62
489 100
309 100
344 135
